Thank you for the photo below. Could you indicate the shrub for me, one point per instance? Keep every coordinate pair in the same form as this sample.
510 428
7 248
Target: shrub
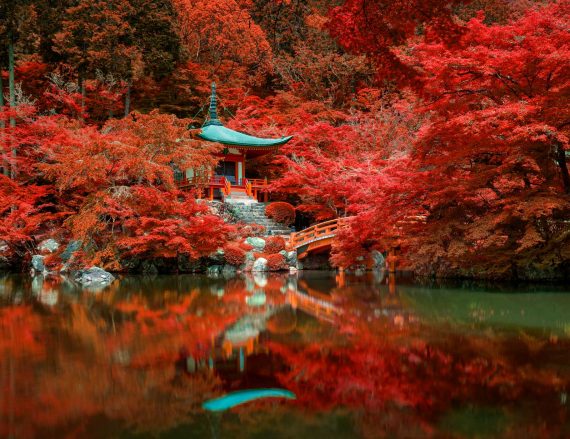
281 212
252 230
245 246
234 254
52 261
276 262
274 244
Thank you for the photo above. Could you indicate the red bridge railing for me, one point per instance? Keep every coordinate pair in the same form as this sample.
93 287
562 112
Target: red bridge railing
317 232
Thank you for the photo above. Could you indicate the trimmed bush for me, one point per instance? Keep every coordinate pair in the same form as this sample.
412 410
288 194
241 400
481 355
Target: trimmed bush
245 246
274 244
276 262
252 230
281 212
234 254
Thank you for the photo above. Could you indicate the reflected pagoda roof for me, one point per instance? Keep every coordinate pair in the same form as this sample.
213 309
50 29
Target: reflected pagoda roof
214 131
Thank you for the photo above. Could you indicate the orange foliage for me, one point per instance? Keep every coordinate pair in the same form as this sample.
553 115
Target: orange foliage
234 254
492 121
276 262
222 35
281 212
274 244
245 246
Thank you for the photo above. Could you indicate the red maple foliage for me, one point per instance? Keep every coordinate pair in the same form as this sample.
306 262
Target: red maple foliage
437 128
494 149
276 262
274 244
496 129
234 254
377 28
281 212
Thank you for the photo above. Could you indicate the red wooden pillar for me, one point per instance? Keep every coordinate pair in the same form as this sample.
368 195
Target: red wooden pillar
340 277
392 283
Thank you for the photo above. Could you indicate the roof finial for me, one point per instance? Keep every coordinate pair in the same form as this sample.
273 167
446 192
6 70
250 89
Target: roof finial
213 108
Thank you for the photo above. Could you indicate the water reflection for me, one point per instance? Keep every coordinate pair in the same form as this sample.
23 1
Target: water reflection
366 357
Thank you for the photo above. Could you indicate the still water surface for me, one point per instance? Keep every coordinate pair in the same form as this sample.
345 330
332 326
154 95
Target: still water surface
366 357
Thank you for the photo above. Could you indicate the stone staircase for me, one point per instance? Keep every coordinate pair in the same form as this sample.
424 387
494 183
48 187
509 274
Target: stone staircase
250 211
238 196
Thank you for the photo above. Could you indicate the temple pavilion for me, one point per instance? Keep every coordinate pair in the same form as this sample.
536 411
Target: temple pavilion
229 178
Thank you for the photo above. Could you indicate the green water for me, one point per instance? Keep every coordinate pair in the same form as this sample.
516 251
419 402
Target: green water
366 357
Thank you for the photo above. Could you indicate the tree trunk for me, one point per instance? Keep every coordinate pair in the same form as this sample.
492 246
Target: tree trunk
12 95
5 164
82 87
560 157
128 99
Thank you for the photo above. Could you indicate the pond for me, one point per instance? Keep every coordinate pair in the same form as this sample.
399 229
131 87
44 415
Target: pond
346 357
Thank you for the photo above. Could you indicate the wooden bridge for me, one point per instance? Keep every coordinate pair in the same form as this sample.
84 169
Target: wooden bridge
317 238
320 237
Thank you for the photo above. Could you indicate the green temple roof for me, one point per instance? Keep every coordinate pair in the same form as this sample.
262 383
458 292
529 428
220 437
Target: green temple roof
214 131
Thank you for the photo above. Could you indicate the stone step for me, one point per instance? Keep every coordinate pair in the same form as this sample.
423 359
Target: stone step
254 213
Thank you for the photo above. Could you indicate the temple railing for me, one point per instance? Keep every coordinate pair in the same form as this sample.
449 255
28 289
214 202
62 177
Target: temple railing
259 184
256 188
204 181
248 187
227 187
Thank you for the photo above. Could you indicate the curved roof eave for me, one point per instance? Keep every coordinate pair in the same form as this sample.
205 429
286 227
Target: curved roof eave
227 136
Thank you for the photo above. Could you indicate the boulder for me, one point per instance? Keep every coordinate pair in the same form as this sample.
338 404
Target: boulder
260 264
71 248
218 255
48 246
291 258
247 265
94 277
4 259
187 265
149 267
215 270
38 263
378 259
257 243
